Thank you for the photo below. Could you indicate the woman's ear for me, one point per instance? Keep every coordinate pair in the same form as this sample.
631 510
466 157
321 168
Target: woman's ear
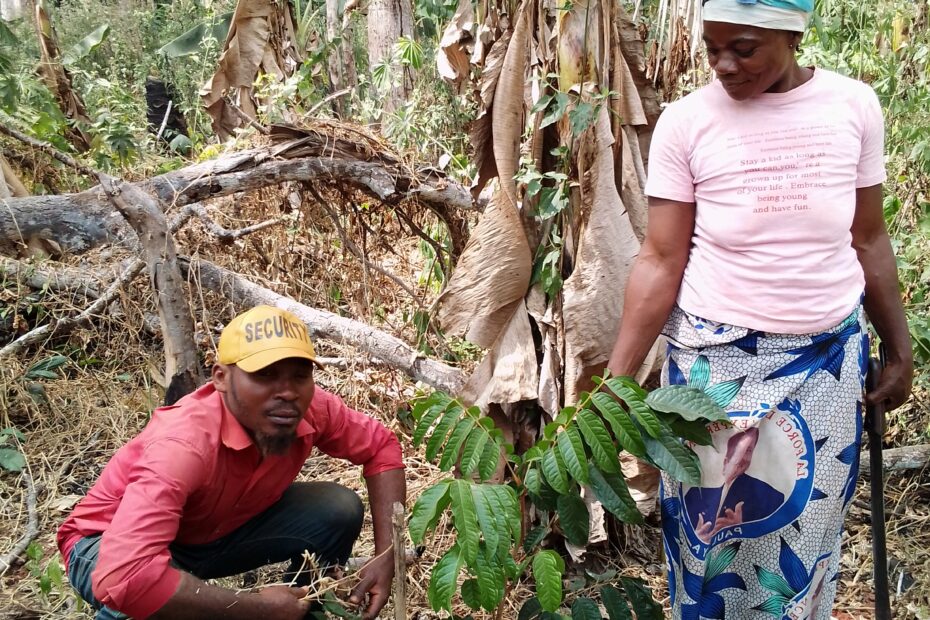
794 41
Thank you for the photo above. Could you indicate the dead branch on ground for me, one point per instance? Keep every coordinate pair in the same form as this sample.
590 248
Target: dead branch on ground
32 526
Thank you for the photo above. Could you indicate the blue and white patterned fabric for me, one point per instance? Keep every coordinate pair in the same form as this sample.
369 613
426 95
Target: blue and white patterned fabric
760 538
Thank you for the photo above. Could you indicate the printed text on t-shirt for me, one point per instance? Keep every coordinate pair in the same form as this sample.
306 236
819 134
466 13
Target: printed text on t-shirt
786 167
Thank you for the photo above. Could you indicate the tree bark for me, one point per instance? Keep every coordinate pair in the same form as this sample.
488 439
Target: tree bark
341 59
182 366
388 20
326 325
82 221
899 459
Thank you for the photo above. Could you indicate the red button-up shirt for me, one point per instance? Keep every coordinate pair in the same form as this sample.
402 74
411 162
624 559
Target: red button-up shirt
194 475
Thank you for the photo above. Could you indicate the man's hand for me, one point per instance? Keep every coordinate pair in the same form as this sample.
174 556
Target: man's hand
377 577
284 602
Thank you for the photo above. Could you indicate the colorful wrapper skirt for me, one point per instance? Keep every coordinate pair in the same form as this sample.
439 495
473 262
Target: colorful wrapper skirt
760 538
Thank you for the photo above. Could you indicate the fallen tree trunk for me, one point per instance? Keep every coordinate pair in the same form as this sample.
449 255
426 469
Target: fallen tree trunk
79 222
389 349
899 459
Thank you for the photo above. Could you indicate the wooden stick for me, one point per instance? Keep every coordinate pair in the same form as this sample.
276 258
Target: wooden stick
400 563
32 526
899 459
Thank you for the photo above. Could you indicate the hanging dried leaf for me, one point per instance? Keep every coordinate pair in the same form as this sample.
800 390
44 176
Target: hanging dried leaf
493 273
453 56
509 372
260 40
481 129
642 480
578 44
593 294
507 113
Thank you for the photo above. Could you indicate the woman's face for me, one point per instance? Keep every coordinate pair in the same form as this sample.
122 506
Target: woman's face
748 60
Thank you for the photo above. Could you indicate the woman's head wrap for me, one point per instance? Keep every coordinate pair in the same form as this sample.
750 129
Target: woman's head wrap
790 15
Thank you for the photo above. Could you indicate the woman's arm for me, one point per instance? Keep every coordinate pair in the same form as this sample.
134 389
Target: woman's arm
654 282
883 297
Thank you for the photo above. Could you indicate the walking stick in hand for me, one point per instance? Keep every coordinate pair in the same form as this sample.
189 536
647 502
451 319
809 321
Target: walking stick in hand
875 427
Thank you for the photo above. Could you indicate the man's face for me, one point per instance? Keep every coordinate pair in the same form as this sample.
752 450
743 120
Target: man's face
748 60
269 403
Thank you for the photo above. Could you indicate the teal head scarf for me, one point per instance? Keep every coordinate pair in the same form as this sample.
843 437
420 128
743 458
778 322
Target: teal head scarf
790 15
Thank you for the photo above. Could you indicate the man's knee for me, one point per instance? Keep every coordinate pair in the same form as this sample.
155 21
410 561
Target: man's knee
332 506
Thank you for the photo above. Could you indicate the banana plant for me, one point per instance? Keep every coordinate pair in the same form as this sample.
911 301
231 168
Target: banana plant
579 449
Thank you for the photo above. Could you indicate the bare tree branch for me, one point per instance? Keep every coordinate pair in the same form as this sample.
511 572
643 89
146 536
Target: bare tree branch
81 221
321 324
32 526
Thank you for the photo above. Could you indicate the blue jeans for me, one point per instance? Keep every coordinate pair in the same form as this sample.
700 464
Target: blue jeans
322 518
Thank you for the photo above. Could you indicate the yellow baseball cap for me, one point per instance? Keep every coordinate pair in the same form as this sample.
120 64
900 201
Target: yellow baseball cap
262 336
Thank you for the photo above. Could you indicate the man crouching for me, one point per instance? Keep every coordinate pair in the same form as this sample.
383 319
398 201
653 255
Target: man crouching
207 490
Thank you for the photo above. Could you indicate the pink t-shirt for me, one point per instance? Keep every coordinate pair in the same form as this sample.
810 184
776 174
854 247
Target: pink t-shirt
774 179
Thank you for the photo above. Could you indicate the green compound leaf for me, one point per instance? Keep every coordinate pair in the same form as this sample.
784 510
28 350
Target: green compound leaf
465 519
530 610
548 567
510 507
615 604
427 510
641 597
490 578
451 452
443 580
616 383
643 414
623 426
691 431
688 402
584 608
534 537
474 446
490 457
574 518
598 439
572 448
554 470
452 415
426 412
471 594
611 491
532 481
486 507
670 455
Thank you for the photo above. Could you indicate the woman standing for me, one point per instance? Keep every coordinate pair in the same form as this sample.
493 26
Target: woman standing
766 248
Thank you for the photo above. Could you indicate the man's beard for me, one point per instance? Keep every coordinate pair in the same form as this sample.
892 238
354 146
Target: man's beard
274 445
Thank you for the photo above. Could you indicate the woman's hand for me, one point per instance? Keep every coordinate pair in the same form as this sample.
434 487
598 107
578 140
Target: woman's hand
894 386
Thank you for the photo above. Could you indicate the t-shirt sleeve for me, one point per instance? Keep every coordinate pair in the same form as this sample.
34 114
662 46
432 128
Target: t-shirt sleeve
871 170
352 435
670 174
133 574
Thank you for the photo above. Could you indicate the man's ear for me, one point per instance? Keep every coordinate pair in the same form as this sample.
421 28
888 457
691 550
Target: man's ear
220 375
